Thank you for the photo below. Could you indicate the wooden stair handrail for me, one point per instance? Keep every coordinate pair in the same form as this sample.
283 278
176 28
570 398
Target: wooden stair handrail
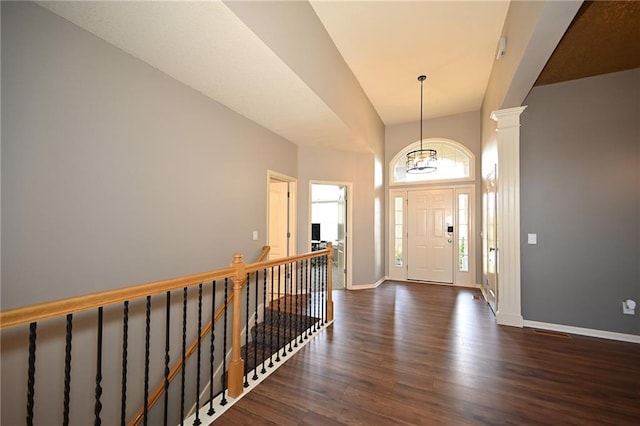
159 389
256 266
42 311
238 272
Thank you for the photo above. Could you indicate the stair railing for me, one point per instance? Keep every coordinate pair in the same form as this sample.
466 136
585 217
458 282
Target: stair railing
175 369
303 281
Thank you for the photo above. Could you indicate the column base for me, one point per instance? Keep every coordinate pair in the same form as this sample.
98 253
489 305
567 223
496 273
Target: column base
512 320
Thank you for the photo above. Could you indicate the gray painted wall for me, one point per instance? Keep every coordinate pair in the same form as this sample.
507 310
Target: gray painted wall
580 174
463 128
112 174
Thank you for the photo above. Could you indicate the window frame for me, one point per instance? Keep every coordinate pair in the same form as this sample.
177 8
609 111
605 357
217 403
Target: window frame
425 143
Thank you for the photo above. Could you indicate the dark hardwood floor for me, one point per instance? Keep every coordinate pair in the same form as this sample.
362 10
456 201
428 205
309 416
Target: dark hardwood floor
425 354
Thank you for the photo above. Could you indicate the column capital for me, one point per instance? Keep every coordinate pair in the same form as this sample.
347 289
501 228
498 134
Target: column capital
508 117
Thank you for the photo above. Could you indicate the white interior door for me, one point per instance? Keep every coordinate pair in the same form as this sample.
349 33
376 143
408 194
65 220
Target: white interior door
430 235
340 263
278 230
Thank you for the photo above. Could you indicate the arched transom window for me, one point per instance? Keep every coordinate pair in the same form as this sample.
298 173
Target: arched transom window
454 162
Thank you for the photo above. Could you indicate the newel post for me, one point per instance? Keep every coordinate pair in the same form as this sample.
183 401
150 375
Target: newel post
236 366
330 282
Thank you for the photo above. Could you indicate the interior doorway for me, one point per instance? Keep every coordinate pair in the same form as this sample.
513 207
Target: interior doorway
330 213
281 222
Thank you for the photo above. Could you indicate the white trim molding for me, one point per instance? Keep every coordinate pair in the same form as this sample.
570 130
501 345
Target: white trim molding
611 335
368 286
509 310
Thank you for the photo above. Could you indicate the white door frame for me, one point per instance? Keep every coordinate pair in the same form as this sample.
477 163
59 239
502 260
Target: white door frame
293 191
348 233
463 279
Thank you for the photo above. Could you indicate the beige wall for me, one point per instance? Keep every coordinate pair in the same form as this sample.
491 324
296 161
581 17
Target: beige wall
463 128
358 169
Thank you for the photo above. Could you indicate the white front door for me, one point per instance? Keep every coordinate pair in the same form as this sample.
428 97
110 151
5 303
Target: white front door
430 235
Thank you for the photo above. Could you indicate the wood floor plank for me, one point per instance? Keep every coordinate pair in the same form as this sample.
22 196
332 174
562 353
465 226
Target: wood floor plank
423 354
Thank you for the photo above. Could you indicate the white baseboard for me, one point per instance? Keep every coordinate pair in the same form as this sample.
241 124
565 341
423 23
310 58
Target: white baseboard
368 286
478 286
611 335
512 320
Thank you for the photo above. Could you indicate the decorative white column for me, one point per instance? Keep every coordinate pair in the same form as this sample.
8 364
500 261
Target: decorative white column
509 310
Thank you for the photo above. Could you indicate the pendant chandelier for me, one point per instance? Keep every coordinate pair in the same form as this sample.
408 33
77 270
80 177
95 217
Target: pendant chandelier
421 160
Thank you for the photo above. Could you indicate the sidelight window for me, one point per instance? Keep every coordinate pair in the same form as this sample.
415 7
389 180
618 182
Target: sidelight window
463 232
398 223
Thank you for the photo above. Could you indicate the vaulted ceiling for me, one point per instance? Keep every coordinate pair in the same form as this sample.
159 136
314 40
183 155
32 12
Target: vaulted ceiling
389 44
386 45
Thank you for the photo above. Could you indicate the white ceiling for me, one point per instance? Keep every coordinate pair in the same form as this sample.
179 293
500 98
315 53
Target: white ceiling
387 44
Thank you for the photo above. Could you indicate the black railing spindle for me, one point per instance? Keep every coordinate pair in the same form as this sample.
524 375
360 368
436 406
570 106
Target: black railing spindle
290 314
314 295
167 358
299 296
255 325
317 293
264 320
184 352
284 318
223 401
125 344
197 421
31 374
98 404
147 344
67 370
307 296
278 317
323 296
246 335
271 323
213 347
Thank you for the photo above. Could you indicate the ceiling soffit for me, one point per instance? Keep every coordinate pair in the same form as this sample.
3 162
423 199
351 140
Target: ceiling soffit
604 37
207 47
